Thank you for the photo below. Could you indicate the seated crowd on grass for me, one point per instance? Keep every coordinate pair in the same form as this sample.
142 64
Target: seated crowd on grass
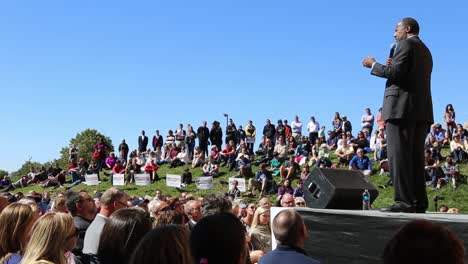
284 152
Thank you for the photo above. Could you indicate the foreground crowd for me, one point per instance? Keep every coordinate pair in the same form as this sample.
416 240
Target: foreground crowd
112 228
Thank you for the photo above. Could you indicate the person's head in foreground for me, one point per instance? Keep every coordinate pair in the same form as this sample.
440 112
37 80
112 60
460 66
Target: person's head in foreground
422 241
289 229
164 245
50 239
121 233
219 239
16 221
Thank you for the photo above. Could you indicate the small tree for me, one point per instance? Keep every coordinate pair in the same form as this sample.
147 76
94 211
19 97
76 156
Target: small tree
85 141
3 173
25 169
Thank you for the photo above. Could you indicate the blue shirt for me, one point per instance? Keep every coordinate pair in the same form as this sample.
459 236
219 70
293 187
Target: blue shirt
298 192
263 175
286 254
361 164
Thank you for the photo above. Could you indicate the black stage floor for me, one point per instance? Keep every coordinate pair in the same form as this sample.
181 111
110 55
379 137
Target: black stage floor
348 236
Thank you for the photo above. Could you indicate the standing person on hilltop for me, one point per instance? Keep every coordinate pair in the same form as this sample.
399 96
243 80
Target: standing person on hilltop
240 135
216 135
203 134
123 150
180 135
337 125
367 120
287 129
296 127
190 141
269 131
250 132
346 125
379 120
100 150
449 119
280 131
313 128
157 140
142 142
231 132
407 110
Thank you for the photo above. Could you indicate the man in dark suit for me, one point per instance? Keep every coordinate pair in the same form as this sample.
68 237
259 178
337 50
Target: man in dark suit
290 233
142 142
407 109
203 134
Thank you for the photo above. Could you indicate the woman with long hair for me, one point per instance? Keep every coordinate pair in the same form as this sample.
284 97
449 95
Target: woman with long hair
260 231
449 119
48 235
337 123
16 221
121 234
164 245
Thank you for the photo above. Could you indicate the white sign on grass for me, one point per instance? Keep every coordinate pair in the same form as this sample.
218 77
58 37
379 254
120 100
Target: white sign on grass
142 179
240 184
118 179
91 179
173 180
204 183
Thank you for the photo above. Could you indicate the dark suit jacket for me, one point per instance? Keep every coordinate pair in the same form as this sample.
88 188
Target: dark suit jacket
82 224
408 88
142 143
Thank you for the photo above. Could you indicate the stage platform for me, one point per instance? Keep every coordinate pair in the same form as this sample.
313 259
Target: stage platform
352 236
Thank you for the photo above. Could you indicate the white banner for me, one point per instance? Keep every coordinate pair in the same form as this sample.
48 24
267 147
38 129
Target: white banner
173 180
240 184
142 179
91 179
204 183
118 179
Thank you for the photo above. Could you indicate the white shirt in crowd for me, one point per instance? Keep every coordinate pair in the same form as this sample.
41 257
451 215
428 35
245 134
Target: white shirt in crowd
313 127
296 127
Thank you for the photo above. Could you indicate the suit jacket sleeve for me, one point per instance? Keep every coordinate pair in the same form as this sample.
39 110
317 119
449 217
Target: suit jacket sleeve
400 62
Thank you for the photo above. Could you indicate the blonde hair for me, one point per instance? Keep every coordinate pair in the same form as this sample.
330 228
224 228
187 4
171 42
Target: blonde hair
14 222
60 200
47 239
256 218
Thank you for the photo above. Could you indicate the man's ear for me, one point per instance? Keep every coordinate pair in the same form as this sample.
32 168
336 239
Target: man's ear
408 29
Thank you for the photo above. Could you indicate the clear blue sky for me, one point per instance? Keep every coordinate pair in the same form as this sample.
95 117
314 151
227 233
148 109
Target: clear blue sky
123 66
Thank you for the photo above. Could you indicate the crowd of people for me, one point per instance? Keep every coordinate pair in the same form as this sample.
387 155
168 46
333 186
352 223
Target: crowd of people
284 152
113 227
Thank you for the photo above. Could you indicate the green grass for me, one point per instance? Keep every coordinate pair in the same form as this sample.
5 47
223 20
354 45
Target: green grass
453 197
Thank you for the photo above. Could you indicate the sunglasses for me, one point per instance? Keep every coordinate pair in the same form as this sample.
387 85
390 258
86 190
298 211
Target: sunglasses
300 203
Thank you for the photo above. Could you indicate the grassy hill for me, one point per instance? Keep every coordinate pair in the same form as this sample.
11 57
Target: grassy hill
453 197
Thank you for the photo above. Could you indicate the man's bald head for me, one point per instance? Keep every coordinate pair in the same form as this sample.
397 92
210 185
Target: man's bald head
289 229
287 200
